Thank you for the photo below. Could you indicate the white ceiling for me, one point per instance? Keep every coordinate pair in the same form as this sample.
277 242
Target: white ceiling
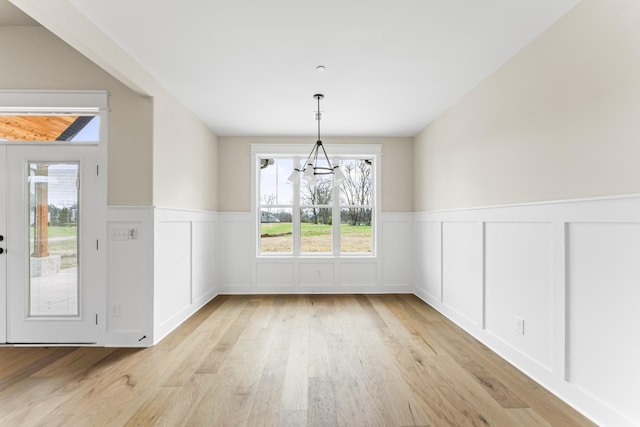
247 67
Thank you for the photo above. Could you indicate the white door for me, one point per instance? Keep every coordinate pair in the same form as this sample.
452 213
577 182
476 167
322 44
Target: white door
53 219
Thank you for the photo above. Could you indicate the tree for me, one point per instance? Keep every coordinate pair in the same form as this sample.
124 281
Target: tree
65 216
269 200
318 194
356 190
54 210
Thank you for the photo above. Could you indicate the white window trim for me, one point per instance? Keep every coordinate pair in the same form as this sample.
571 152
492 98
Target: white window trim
302 150
52 100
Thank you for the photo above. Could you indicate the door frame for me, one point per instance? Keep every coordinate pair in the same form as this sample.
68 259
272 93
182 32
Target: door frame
51 102
3 244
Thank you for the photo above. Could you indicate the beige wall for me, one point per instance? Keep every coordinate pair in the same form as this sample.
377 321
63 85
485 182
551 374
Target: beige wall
36 59
184 158
561 120
234 166
159 152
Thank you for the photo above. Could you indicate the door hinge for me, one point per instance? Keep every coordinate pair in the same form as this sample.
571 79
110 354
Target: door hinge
97 245
97 170
96 318
78 183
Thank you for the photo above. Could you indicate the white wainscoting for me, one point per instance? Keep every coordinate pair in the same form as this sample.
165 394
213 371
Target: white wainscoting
570 270
161 270
242 272
462 287
396 244
184 266
603 312
129 277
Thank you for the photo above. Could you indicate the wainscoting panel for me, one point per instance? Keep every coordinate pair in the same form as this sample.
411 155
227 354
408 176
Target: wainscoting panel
428 262
203 253
519 285
173 269
397 235
570 270
462 269
184 279
603 270
316 274
275 274
364 274
236 249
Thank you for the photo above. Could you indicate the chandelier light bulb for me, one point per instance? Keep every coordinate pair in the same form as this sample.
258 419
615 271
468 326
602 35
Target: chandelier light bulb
317 154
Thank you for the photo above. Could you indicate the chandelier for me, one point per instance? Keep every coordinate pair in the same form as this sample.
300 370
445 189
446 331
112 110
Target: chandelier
318 162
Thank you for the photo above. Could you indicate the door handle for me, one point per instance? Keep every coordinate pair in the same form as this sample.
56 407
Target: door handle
1 251
1 237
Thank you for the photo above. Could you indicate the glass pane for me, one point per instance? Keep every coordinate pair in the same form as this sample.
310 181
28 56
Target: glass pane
315 230
53 239
357 188
276 231
319 193
356 235
71 128
275 189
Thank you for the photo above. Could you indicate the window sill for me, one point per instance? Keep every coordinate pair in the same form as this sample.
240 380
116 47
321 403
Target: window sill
317 257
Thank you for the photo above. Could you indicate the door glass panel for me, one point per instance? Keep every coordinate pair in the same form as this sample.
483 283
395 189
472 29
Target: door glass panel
53 239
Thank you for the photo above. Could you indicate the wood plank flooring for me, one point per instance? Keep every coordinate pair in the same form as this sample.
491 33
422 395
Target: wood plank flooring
291 360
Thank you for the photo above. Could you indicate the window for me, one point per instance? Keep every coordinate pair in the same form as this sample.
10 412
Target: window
49 127
356 206
297 219
276 206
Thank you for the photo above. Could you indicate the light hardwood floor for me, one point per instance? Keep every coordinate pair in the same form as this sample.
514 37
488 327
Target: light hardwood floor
295 360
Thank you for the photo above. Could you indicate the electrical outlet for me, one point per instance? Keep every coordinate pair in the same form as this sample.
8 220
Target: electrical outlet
115 310
133 233
520 325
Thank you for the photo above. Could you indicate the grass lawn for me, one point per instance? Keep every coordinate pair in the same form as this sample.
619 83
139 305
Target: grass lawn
67 249
355 230
275 228
55 231
276 237
307 229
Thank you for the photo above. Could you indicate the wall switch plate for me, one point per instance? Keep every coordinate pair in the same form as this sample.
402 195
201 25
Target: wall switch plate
124 233
520 325
120 234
